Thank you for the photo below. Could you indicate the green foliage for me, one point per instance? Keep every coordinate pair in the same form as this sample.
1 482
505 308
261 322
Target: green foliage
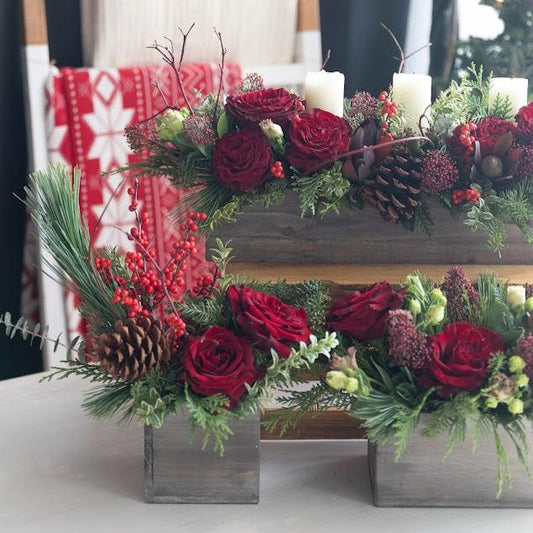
462 102
494 211
32 332
52 199
322 191
155 396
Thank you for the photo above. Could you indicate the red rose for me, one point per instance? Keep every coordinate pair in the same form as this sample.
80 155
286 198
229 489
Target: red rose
363 315
242 160
267 321
524 119
460 357
316 138
489 130
255 106
219 362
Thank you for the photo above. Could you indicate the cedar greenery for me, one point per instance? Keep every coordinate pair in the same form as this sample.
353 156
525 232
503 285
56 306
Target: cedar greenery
395 406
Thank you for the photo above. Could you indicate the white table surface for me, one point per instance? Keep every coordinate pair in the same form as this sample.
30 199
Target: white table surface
62 472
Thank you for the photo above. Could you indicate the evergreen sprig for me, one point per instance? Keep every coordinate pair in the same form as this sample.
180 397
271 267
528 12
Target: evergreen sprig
52 199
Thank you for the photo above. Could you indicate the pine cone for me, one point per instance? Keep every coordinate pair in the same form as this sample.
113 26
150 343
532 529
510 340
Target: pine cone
133 348
394 188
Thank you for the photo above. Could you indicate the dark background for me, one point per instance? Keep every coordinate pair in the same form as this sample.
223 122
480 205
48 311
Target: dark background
350 29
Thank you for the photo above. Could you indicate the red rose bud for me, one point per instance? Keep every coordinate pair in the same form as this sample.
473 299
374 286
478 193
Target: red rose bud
459 359
316 138
219 362
242 160
364 315
274 104
524 119
267 321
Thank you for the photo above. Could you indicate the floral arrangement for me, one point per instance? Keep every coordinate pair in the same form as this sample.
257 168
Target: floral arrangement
217 352
459 353
471 150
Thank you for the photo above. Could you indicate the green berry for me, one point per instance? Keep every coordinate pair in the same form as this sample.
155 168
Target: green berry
491 402
351 385
516 364
529 304
336 379
522 381
516 406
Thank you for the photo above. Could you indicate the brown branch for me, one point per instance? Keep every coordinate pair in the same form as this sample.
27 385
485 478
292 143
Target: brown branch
403 58
367 148
221 66
163 97
167 54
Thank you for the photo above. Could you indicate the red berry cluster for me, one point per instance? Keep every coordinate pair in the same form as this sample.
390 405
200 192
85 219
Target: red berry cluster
388 109
277 170
205 284
466 137
465 195
149 284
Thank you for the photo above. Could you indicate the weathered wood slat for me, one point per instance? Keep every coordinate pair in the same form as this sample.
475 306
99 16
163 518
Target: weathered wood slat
421 478
332 424
280 235
178 471
355 275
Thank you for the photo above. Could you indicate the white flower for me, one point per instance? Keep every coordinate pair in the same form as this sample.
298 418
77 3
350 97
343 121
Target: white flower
516 295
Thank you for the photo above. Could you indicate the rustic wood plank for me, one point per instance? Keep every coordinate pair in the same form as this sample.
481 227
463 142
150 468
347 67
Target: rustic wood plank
421 478
178 471
353 274
34 30
333 424
280 235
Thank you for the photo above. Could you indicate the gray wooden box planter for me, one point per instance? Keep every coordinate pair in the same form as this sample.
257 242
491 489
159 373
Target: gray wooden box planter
422 478
280 235
177 471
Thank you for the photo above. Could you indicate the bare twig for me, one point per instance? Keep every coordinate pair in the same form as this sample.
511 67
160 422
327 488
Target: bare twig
403 58
167 54
221 65
163 97
369 148
327 58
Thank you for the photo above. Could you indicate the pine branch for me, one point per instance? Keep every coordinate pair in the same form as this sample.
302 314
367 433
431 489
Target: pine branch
52 199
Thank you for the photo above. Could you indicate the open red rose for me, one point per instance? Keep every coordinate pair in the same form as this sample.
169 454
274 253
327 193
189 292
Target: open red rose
524 119
242 160
255 106
316 138
460 357
363 315
489 130
267 321
219 362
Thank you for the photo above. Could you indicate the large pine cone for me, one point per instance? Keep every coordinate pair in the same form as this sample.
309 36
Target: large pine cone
393 187
134 347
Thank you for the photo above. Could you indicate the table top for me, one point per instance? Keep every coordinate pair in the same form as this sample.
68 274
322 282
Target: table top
60 471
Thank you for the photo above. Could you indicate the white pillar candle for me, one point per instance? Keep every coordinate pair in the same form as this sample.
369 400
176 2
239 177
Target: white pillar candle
513 88
325 90
413 93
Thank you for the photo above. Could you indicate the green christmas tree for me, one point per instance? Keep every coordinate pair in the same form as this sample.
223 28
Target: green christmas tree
508 54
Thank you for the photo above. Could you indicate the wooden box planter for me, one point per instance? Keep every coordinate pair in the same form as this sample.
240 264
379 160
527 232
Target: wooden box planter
178 471
422 478
280 235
